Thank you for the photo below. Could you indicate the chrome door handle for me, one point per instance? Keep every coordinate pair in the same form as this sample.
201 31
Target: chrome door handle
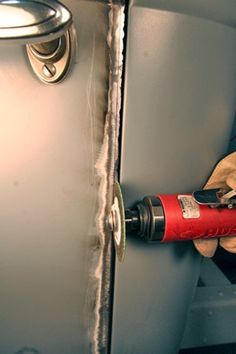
45 27
30 21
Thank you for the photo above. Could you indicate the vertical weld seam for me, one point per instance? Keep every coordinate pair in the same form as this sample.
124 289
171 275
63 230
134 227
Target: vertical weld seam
106 169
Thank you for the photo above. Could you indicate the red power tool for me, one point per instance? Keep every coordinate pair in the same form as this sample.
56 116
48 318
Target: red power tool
167 218
175 217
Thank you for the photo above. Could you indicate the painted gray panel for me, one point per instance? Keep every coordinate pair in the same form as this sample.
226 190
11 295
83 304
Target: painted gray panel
221 11
212 318
178 110
50 137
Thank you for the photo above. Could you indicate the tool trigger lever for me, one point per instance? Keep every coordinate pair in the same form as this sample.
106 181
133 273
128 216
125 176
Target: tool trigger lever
215 198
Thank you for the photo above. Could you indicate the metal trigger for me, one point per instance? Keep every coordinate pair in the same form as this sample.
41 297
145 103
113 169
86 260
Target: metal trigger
218 197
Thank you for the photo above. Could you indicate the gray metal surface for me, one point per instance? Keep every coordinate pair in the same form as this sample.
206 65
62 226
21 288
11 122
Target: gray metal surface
211 275
232 144
212 318
49 141
179 102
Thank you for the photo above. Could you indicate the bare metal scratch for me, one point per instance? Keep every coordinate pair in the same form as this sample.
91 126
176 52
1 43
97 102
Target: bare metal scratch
106 170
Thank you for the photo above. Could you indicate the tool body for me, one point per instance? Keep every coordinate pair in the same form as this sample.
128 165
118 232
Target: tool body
173 217
168 218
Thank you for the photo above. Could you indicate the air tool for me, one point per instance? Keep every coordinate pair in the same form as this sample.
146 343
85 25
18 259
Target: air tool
175 217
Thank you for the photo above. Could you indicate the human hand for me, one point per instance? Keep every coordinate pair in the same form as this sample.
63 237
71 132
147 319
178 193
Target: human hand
223 176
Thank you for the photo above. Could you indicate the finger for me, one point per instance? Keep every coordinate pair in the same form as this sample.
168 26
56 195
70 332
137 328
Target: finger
228 243
223 169
231 180
207 248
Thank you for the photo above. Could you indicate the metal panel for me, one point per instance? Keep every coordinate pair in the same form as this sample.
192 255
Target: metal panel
179 103
212 318
50 137
232 144
211 275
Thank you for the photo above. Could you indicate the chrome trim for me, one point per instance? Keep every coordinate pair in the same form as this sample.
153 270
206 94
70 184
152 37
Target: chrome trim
53 67
33 21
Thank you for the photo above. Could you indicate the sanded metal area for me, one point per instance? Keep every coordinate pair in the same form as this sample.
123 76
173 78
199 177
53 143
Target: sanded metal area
50 138
179 102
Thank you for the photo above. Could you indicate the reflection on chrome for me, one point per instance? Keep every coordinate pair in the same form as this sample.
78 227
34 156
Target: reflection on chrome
30 21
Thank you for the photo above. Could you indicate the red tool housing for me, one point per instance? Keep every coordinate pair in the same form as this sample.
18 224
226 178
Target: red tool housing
185 219
177 217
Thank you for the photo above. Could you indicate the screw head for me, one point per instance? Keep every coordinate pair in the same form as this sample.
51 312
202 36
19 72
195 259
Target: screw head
49 70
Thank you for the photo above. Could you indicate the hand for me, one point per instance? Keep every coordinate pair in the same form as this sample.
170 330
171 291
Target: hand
223 176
